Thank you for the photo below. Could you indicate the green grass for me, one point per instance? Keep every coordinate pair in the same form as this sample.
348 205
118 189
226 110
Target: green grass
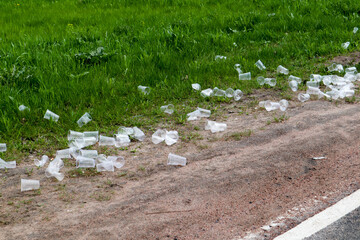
77 56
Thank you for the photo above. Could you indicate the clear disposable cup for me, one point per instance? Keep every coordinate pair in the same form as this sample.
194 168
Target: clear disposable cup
283 104
229 93
84 119
238 94
118 161
72 135
245 76
145 90
283 70
94 134
260 65
176 160
270 106
107 166
42 162
106 141
89 153
85 162
122 140
260 80
169 109
3 147
293 85
28 184
206 93
219 92
196 86
51 116
293 78
270 81
303 97
64 153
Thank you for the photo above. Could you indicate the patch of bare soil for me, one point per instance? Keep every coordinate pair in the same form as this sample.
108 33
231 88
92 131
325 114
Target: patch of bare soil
350 60
235 181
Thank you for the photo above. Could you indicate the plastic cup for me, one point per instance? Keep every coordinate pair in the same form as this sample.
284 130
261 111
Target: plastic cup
85 162
27 184
176 160
84 119
51 116
3 147
245 76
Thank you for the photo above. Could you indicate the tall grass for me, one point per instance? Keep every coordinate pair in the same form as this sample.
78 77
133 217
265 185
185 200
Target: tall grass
75 56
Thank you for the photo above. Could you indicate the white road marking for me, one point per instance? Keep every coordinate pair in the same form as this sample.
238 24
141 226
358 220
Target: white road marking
323 219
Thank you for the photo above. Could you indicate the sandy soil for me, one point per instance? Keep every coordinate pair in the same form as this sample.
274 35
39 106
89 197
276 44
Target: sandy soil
233 184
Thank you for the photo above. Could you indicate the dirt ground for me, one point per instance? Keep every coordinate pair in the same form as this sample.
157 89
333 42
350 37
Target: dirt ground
259 172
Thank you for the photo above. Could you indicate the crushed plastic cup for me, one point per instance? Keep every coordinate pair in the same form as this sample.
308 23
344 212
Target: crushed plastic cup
283 70
284 104
23 108
101 158
327 80
106 141
260 65
107 166
198 113
51 116
314 84
196 86
158 136
72 135
219 57
270 106
145 90
313 90
349 76
334 94
118 161
138 134
238 94
206 93
85 162
89 153
293 85
29 184
219 92
260 80
169 109
84 119
238 68
351 70
171 137
345 45
77 143
125 130
4 164
315 77
42 161
245 76
229 93
176 160
64 153
355 30
334 67
122 140
346 93
215 126
262 104
2 147
270 81
293 78
53 170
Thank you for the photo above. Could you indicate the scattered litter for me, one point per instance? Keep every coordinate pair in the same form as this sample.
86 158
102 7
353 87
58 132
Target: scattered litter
23 108
293 78
238 68
293 85
2 147
355 30
270 106
284 104
238 94
313 84
218 92
198 113
84 119
215 126
106 141
260 65
170 137
345 45
229 93
158 136
42 162
351 70
4 164
138 134
176 160
270 81
206 93
336 68
169 109
262 104
271 14
85 162
245 76
196 86
51 116
303 97
107 166
28 184
145 90
318 158
89 153
122 140
64 153
283 70
125 130
53 170
118 161
219 57
260 80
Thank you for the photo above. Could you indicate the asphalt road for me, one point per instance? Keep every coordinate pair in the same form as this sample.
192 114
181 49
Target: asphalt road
347 228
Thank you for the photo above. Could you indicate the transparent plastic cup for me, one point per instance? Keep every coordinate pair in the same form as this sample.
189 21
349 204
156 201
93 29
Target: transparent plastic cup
350 77
219 92
206 93
72 135
92 134
4 164
64 153
283 70
260 80
169 109
107 166
260 65
28 184
334 67
238 68
176 160
270 81
355 30
293 78
196 86
262 104
42 162
51 116
293 85
351 70
84 119
314 84
245 76
3 147
53 170
158 136
303 97
23 108
219 57
284 104
229 93
138 134
106 141
118 161
122 140
238 94
270 106
125 130
315 78
215 126
85 162
313 90
145 90
171 137
345 45
89 153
